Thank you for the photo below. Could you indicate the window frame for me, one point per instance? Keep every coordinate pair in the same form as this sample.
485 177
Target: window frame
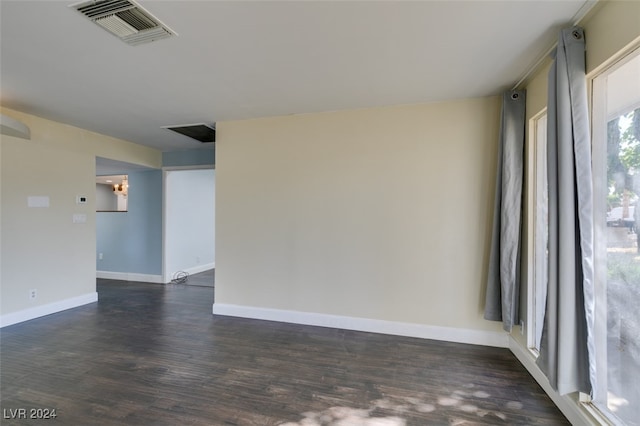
536 157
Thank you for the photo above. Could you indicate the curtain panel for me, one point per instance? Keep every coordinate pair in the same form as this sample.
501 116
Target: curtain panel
567 347
503 281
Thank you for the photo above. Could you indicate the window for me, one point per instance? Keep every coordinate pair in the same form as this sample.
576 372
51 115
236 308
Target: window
538 197
616 163
112 193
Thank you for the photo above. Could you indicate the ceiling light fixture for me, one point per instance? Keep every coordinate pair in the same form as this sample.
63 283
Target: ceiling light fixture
122 188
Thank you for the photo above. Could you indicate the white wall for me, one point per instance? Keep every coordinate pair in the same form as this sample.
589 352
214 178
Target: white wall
189 221
106 199
378 213
41 248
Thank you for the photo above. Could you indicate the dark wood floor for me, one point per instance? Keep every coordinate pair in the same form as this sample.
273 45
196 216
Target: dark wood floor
202 279
149 354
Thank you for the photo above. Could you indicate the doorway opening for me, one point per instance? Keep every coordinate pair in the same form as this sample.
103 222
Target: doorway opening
189 226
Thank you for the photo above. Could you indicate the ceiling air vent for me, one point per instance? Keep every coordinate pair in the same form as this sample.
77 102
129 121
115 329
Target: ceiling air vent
200 132
125 19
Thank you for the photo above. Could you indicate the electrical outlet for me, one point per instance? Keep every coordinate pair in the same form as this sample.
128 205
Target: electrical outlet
33 293
522 327
197 259
99 256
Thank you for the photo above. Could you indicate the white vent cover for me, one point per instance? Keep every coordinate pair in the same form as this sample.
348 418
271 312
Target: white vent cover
125 19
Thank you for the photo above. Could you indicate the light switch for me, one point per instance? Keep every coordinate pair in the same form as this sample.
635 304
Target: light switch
37 201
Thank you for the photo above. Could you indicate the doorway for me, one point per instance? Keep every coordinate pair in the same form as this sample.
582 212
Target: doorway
189 226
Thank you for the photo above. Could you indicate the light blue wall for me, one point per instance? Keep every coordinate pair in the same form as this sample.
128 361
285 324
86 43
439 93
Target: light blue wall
191 157
132 241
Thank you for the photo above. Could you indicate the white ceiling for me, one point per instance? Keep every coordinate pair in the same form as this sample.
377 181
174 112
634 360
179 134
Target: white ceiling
110 179
239 59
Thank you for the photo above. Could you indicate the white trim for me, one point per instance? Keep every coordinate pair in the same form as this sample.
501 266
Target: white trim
196 269
48 309
536 158
448 334
569 407
165 274
130 276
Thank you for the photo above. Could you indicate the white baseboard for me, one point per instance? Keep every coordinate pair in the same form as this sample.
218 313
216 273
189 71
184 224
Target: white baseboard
48 309
449 334
568 406
129 276
193 270
200 268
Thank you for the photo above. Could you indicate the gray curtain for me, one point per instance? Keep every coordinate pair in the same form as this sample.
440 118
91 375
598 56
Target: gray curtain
503 283
567 346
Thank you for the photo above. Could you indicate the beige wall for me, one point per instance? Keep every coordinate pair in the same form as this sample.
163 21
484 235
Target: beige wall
69 138
41 248
610 30
378 213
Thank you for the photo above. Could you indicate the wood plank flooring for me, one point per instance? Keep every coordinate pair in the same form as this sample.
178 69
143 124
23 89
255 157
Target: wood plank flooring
203 279
148 354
